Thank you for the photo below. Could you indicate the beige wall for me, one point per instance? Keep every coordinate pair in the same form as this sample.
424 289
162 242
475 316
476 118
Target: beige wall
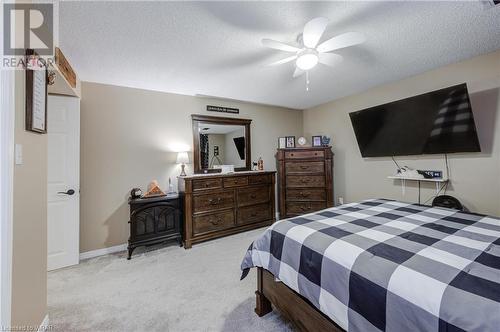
129 137
475 177
29 243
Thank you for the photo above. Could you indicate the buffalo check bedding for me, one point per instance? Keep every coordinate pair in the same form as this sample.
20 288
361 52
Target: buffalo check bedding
383 265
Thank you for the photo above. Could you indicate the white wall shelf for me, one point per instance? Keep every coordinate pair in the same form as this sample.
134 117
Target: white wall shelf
437 181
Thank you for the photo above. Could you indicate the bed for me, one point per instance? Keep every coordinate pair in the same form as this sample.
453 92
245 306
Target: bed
381 265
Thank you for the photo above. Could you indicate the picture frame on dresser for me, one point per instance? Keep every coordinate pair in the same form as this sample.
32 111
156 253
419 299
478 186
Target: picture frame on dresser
316 141
290 141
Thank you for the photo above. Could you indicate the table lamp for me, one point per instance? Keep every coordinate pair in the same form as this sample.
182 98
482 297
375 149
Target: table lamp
183 159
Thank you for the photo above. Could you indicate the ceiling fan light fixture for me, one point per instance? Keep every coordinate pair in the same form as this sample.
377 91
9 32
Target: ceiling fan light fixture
307 60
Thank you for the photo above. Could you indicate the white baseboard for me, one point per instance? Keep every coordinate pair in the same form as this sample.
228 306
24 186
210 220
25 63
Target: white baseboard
45 324
103 251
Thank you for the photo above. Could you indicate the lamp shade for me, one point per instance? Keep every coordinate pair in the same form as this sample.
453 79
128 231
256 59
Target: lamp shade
182 158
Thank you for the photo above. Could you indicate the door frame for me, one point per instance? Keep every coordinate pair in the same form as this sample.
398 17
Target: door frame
7 123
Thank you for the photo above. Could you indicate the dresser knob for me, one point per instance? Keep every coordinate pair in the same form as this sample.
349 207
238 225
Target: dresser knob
303 167
253 196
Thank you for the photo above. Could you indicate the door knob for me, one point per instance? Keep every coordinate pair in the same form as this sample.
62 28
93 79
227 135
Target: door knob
69 192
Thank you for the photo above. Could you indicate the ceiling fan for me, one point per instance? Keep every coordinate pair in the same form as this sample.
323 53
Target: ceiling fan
310 54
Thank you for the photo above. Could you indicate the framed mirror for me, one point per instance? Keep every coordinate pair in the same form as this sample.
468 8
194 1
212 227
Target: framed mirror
220 141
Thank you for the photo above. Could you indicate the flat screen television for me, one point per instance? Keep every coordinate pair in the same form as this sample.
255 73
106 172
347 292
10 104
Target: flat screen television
432 123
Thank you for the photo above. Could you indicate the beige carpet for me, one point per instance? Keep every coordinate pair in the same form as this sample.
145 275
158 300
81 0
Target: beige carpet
167 289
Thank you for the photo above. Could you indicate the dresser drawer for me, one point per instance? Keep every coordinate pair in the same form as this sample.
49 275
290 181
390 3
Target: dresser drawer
254 213
304 207
236 181
306 194
213 201
308 167
202 184
304 154
253 195
259 179
304 181
213 222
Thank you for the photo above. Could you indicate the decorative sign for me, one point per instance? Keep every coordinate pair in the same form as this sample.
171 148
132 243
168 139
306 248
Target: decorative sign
222 109
36 93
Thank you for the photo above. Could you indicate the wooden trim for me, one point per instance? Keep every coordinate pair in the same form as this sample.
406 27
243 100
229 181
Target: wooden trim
7 120
197 118
297 309
65 68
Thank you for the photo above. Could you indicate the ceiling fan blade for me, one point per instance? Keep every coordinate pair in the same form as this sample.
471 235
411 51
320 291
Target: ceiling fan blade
279 45
313 31
285 60
298 72
344 40
330 59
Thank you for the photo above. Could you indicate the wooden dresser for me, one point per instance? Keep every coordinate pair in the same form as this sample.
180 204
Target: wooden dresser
305 180
216 205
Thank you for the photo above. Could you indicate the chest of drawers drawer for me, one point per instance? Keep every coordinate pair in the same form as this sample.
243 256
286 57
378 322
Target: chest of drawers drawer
304 207
237 181
304 154
205 184
306 194
213 201
253 195
213 222
254 213
306 167
259 179
305 181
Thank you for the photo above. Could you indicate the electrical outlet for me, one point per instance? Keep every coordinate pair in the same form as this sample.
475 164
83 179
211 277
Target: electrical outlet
341 200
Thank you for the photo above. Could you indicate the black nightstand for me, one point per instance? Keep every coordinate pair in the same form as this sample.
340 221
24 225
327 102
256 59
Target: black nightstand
154 220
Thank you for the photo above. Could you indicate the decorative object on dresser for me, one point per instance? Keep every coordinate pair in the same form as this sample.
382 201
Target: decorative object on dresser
290 141
316 141
302 141
154 190
183 159
281 142
216 205
305 180
154 220
325 141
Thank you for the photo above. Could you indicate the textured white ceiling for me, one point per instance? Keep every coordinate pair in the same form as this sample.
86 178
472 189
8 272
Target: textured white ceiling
214 48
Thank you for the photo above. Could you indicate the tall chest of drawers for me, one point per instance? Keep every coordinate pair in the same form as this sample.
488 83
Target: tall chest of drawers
218 205
305 180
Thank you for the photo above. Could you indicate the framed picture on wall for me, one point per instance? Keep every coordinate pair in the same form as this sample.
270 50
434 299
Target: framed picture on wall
36 93
316 141
281 142
290 141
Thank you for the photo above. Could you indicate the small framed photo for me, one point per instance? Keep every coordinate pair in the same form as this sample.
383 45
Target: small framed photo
282 142
316 141
290 141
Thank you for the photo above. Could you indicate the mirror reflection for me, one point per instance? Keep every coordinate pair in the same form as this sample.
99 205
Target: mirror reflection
221 144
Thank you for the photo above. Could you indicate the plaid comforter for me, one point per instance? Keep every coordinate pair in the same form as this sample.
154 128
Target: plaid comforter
383 265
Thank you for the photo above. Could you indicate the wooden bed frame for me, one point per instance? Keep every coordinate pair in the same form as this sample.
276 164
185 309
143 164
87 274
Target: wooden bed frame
291 305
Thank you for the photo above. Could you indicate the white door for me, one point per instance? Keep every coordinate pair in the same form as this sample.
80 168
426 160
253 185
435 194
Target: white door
63 211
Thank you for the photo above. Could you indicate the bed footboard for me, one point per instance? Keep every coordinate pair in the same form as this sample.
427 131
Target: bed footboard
291 305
